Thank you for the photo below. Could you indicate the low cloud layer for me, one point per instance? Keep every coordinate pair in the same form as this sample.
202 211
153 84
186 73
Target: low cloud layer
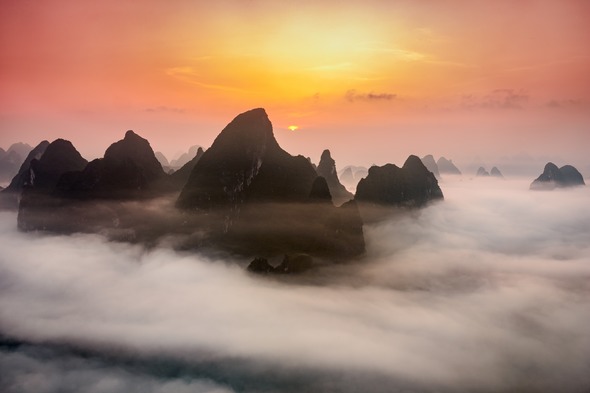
487 291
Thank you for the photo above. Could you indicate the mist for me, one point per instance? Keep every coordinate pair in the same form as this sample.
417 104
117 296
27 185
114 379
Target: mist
486 291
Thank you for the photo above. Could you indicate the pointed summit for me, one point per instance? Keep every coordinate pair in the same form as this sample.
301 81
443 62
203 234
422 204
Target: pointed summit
327 170
245 163
129 168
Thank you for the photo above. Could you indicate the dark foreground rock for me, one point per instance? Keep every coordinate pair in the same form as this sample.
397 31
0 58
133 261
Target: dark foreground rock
292 264
554 177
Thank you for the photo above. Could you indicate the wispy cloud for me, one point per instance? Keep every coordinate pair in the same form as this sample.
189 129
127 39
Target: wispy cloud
163 108
497 99
190 75
352 96
565 103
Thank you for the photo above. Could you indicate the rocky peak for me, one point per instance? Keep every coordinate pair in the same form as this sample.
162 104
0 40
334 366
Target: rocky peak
59 157
246 162
327 170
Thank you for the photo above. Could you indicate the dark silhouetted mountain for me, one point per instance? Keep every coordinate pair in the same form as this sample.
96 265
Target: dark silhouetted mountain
180 177
431 165
185 157
327 170
265 201
59 157
552 177
495 172
129 169
244 195
9 197
446 167
36 208
12 159
388 185
481 172
245 163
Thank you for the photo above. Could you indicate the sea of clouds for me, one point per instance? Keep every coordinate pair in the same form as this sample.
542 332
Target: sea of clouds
488 291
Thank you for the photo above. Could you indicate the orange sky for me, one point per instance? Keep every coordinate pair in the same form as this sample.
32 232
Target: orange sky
373 81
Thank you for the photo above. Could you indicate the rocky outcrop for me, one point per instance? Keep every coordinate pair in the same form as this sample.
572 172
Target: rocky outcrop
327 170
446 167
431 165
554 177
412 185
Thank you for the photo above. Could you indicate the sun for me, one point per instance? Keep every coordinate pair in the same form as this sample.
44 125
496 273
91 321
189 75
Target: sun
293 128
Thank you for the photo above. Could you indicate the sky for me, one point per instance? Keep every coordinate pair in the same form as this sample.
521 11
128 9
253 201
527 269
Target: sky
487 291
374 81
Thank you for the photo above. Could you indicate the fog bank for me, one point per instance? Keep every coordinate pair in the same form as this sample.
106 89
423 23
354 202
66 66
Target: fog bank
486 291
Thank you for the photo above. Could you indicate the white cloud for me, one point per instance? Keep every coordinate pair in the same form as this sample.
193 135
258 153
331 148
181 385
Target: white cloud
487 291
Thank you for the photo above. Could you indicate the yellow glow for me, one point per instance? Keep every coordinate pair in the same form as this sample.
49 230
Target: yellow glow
293 128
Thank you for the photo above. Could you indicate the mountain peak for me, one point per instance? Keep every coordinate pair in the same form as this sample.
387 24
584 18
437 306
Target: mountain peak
413 162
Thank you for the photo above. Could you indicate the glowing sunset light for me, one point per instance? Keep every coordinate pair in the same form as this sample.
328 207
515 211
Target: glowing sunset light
293 128
442 76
